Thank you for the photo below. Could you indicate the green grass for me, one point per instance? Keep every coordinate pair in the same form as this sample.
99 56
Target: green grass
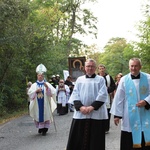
12 115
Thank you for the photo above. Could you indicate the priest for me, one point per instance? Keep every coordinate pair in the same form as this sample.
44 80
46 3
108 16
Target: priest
131 105
89 97
43 96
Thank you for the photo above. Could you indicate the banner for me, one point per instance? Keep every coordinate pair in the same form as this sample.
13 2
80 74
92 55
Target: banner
66 74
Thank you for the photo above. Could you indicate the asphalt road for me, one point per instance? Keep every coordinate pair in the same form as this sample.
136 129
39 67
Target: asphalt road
21 134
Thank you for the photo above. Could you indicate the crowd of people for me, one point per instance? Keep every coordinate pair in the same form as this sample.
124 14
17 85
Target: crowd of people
93 98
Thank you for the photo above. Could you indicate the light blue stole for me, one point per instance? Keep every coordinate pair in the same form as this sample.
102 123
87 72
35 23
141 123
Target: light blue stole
139 118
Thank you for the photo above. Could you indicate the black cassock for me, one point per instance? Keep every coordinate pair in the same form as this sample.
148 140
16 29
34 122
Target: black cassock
83 132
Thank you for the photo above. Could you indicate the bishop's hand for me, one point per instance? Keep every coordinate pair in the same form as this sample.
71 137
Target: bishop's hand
45 85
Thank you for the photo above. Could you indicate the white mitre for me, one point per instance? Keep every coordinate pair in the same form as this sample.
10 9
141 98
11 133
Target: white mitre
41 69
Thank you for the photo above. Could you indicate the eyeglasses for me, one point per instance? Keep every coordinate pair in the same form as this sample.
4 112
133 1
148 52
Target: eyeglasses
118 77
90 67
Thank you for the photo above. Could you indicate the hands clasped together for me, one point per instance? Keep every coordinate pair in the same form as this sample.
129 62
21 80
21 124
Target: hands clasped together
86 109
40 89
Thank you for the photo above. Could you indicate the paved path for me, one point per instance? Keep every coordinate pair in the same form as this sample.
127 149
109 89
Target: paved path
21 134
113 137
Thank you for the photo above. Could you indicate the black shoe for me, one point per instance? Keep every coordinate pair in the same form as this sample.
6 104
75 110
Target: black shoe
71 110
62 114
46 129
40 130
43 133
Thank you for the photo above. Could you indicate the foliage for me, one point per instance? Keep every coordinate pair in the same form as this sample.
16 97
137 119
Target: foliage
11 46
45 31
116 55
144 36
34 32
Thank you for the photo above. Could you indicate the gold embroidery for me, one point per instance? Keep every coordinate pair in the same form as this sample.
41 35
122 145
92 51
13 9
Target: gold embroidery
130 92
147 143
143 90
133 108
136 145
136 126
147 123
40 95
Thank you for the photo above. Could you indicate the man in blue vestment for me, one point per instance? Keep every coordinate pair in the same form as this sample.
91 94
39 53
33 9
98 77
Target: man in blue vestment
131 104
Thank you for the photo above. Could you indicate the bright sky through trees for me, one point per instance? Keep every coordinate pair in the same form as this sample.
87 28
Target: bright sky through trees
117 18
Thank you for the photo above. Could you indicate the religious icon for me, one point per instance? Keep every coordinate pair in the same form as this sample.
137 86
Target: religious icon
76 67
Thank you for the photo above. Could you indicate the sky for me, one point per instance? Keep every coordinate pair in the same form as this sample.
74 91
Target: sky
116 18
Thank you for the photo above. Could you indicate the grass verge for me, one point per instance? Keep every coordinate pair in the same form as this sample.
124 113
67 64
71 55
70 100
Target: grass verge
12 115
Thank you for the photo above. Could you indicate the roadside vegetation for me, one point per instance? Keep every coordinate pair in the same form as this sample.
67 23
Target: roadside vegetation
12 115
43 31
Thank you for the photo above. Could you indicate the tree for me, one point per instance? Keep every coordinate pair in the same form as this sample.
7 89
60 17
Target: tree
40 31
59 21
144 36
116 55
11 47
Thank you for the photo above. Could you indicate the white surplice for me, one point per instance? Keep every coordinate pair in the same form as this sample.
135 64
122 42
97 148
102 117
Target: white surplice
88 90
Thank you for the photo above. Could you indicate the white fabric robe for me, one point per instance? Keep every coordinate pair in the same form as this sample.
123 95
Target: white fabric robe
63 95
49 102
88 90
120 104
